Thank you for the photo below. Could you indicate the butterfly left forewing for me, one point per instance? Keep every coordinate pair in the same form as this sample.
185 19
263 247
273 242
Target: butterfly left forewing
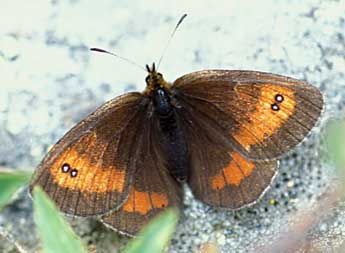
153 189
260 114
89 171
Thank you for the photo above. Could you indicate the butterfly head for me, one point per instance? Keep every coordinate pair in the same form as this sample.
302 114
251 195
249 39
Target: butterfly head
154 80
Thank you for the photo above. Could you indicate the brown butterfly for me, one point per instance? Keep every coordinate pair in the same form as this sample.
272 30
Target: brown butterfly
219 131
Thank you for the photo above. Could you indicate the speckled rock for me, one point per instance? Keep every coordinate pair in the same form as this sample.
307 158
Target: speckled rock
49 81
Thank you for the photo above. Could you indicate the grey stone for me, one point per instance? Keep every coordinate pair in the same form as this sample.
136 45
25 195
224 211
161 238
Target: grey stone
49 81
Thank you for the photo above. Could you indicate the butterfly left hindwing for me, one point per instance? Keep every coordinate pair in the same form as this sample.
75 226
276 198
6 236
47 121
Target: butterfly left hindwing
153 188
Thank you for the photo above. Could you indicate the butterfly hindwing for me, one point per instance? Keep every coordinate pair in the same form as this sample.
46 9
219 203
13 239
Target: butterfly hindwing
89 170
219 175
260 114
153 189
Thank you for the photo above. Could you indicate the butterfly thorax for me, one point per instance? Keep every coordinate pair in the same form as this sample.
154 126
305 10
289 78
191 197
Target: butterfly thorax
158 90
174 143
154 80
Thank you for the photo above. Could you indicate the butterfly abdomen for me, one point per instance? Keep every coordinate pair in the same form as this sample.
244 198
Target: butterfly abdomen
175 147
174 142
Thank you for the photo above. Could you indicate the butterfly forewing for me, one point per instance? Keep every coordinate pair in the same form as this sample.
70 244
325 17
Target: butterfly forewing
89 170
260 114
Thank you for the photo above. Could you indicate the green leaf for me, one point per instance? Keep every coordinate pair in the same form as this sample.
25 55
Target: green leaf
336 145
10 182
56 235
156 235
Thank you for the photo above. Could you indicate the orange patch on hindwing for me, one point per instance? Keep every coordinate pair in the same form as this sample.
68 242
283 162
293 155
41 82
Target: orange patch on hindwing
264 121
237 170
89 176
142 202
218 182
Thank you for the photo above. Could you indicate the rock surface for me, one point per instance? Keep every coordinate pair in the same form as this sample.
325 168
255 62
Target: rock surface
50 81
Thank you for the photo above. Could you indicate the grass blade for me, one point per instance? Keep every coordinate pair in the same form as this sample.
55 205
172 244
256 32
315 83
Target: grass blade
10 182
335 139
56 234
156 235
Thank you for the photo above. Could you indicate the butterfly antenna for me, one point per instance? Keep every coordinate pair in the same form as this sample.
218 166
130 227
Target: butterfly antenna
170 38
99 50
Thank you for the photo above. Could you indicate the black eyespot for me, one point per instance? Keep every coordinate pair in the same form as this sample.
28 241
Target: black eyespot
275 107
65 167
279 98
74 173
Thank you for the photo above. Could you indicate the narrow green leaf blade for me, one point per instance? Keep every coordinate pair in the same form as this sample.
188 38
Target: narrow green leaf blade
156 235
335 139
56 235
10 182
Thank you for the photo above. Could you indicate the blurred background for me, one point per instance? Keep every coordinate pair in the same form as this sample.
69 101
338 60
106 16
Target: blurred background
49 80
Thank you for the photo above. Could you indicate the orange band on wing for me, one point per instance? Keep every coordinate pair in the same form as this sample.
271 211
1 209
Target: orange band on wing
263 121
140 201
88 178
218 182
237 170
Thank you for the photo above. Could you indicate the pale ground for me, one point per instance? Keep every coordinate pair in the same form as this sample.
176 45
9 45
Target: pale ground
49 81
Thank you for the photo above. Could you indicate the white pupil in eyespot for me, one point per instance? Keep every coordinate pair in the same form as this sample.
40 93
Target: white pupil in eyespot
74 173
279 98
65 168
275 107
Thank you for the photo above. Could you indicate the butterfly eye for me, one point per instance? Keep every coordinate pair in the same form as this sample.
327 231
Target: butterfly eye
160 75
147 79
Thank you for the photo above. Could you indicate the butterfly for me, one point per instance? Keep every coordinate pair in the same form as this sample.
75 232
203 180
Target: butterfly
218 131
